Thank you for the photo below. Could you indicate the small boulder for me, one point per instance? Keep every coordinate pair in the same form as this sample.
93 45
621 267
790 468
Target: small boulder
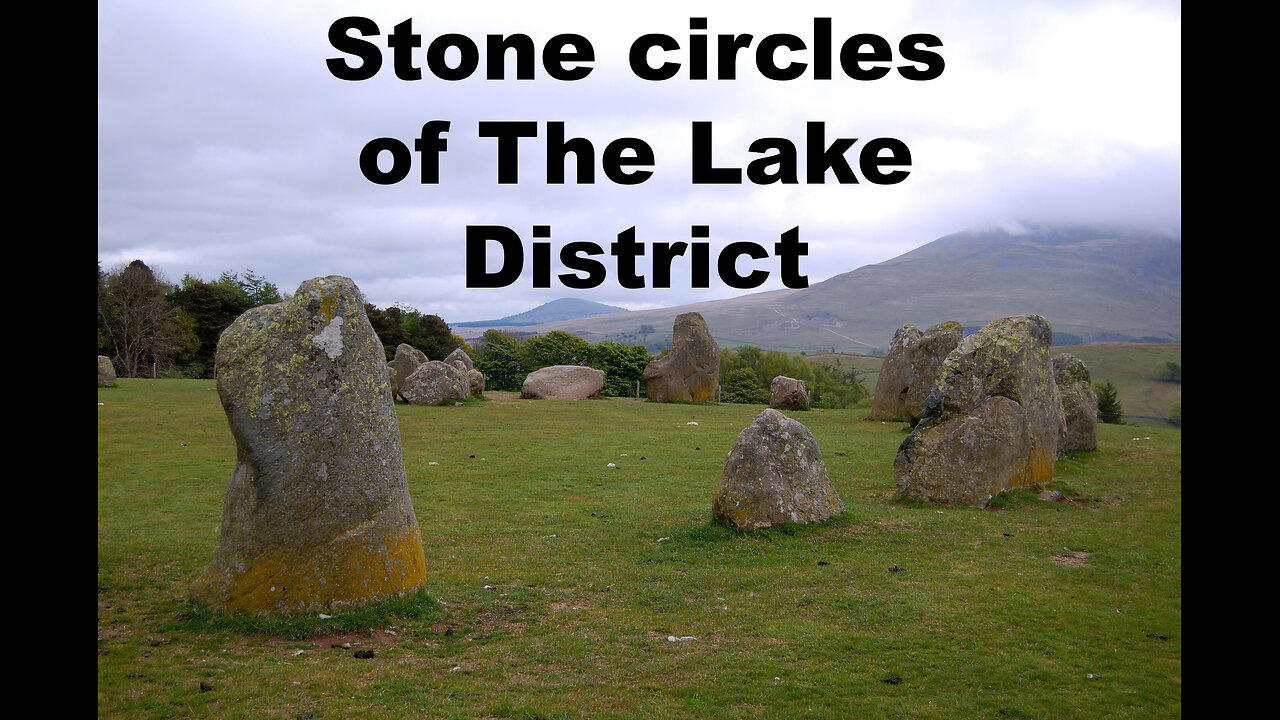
435 382
407 359
774 475
691 371
788 393
106 372
563 382
317 513
1079 403
993 420
475 382
911 368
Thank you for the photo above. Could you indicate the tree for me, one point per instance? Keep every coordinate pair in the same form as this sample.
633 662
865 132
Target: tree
556 348
138 326
388 326
500 360
623 366
210 308
1169 371
1109 408
742 386
433 337
257 289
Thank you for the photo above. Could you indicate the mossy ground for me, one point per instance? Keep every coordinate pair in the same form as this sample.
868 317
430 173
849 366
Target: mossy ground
1037 609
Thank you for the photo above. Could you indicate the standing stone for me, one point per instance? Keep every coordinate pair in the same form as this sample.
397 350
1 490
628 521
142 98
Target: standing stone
461 359
106 372
993 420
1079 403
774 475
435 382
691 371
407 359
788 393
911 368
317 513
563 382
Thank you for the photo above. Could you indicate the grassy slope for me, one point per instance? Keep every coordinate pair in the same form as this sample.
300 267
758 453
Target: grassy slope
1132 367
594 567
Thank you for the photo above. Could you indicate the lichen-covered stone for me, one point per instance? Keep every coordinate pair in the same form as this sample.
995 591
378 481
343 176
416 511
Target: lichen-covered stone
317 513
461 359
407 359
475 382
774 475
563 382
993 420
1079 403
691 371
106 372
788 394
435 382
911 368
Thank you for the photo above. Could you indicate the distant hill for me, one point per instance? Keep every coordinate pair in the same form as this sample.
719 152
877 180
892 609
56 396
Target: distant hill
554 311
1092 284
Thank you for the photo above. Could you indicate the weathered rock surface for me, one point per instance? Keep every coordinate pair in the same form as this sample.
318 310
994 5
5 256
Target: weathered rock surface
1079 403
993 420
475 382
435 382
407 359
317 513
788 393
911 368
461 359
691 371
563 382
106 372
774 475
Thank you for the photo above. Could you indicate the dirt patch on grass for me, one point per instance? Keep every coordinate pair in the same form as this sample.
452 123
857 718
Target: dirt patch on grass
1072 558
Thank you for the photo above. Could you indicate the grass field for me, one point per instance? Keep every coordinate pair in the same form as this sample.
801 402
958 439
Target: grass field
1033 610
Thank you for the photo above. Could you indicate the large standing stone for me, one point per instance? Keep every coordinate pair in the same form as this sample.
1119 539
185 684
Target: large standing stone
435 382
407 359
106 372
691 371
911 368
317 513
774 475
1079 403
993 420
563 382
788 393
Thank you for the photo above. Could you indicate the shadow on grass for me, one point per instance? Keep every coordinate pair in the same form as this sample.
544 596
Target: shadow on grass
415 609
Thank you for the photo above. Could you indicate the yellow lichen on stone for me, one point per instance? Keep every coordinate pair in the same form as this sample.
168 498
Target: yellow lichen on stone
352 573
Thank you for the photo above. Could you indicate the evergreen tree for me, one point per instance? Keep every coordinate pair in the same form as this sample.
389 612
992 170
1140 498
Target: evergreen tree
1109 408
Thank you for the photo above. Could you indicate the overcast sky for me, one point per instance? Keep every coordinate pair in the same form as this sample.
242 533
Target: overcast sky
224 142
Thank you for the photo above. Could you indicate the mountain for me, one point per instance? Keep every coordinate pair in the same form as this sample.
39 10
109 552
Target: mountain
1094 284
554 311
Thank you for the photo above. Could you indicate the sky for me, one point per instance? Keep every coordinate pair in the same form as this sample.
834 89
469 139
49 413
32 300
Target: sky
225 142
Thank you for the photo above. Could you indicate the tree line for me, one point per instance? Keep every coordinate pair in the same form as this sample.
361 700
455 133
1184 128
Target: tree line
152 328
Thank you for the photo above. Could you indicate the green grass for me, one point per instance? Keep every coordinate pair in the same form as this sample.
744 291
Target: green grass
995 613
